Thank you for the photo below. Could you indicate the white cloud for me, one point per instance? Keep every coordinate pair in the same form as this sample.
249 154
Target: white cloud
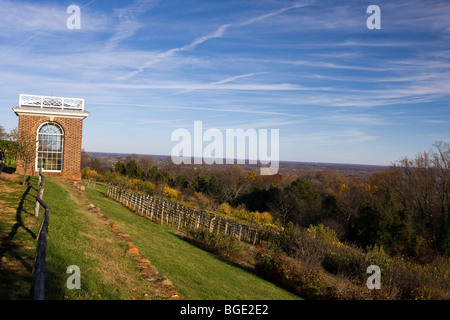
41 17
218 33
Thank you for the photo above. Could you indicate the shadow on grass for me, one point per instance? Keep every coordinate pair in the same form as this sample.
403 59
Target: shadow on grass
12 251
9 170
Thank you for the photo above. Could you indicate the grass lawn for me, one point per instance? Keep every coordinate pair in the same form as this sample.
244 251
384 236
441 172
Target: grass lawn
196 273
76 237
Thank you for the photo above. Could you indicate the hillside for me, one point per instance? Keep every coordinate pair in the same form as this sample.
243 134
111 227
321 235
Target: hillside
196 273
103 243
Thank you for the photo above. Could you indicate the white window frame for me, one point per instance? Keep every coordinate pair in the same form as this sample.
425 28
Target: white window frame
62 146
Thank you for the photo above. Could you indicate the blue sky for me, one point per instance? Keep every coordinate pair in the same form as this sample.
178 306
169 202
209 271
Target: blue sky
337 91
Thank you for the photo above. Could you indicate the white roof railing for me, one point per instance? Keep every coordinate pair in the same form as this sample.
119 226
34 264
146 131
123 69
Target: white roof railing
28 100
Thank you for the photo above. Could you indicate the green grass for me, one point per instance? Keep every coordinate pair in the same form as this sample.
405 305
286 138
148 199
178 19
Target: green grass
76 237
196 273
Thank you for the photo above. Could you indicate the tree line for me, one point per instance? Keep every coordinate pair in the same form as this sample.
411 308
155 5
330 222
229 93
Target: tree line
405 209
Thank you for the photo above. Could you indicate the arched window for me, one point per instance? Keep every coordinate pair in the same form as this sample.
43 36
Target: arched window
50 147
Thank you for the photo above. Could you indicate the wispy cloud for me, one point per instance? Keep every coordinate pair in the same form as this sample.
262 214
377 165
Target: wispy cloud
214 84
230 79
365 119
128 21
230 109
218 33
40 17
329 138
159 121
271 14
437 121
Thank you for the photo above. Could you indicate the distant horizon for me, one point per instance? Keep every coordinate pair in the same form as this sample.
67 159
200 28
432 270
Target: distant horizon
281 161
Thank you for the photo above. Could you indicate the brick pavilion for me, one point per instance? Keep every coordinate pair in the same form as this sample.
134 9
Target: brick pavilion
57 124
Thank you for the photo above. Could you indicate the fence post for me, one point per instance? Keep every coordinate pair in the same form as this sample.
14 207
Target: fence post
211 224
152 203
168 213
179 217
40 193
256 237
162 213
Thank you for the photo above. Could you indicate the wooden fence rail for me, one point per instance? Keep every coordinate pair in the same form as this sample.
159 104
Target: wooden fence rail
38 286
163 212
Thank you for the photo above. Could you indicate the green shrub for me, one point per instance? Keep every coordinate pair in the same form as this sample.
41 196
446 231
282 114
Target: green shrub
9 149
377 256
274 265
410 280
347 261
217 243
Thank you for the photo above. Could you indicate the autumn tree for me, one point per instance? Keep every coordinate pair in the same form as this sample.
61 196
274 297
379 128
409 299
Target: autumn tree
146 163
234 185
3 134
280 204
90 175
441 161
24 149
96 164
422 187
84 159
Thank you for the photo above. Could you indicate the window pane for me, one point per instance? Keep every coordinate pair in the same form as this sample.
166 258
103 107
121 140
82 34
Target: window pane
50 147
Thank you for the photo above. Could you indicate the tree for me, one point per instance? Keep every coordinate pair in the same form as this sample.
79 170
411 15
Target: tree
152 174
96 164
3 134
181 182
90 175
24 149
280 204
133 170
441 160
307 201
213 188
233 186
120 167
164 178
199 183
414 181
84 159
422 185
146 163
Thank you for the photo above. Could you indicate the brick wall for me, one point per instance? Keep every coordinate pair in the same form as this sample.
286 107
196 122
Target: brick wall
73 128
